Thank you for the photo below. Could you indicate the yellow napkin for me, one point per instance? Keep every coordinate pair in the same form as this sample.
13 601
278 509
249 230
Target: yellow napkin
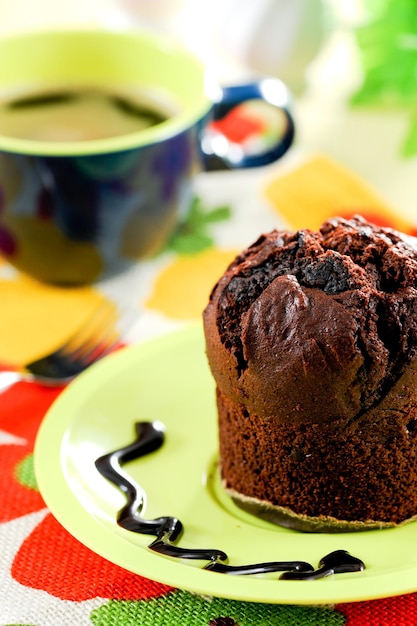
321 188
182 289
36 318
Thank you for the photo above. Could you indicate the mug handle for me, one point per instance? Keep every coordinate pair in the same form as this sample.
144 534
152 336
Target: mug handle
219 153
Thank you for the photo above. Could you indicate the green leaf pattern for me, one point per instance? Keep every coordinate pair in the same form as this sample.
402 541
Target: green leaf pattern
387 45
181 608
192 234
25 473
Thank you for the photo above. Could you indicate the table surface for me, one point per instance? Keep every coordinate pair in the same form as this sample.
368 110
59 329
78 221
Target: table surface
46 575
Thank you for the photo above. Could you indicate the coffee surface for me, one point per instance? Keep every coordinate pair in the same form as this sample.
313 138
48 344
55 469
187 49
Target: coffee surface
79 114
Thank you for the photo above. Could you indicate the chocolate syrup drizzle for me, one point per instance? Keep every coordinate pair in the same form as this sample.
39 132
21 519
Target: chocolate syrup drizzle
168 530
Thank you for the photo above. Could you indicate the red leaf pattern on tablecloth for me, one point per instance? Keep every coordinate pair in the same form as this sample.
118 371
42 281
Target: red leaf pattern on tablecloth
21 411
400 610
68 570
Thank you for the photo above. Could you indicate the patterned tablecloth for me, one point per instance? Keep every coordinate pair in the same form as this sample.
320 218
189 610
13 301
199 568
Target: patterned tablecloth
47 577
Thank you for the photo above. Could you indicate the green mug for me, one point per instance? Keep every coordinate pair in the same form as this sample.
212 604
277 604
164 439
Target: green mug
76 210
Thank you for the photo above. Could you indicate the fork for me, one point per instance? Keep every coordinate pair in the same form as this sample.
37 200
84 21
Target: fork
93 341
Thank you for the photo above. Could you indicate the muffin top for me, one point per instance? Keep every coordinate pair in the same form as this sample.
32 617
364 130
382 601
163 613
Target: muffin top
317 326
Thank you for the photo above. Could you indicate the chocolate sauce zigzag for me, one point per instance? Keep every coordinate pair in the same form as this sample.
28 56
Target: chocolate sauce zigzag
149 438
337 562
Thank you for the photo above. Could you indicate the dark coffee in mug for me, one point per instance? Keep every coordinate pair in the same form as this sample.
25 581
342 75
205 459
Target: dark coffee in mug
80 114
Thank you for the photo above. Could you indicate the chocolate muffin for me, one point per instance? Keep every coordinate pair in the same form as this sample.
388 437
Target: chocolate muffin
312 341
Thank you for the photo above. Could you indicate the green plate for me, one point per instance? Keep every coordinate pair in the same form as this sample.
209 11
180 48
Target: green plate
167 379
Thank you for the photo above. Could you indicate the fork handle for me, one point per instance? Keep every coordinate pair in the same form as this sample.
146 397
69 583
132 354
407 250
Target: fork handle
7 379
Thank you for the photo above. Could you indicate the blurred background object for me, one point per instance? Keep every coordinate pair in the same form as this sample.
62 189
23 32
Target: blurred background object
239 37
387 45
23 15
273 37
